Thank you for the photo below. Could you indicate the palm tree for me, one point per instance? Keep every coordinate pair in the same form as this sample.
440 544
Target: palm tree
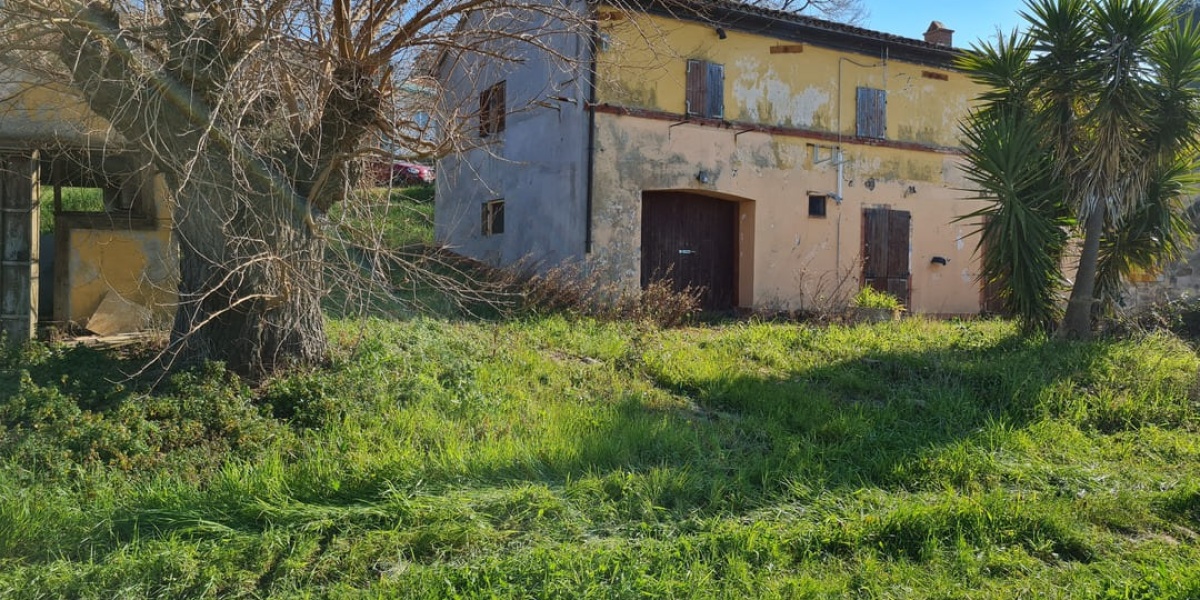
1107 92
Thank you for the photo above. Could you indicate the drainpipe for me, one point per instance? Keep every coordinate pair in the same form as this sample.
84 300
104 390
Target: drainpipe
837 243
593 48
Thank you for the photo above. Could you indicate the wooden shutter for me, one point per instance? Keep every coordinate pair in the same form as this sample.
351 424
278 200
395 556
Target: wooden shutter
696 98
492 109
875 248
716 91
885 251
898 224
485 112
872 113
499 106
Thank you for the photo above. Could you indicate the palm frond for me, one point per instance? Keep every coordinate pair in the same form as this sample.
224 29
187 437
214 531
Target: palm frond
1153 234
1023 231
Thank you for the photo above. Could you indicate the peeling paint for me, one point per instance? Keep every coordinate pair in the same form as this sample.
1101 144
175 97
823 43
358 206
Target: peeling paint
767 97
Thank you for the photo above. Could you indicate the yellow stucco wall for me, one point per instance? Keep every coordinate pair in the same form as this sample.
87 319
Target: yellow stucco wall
644 66
140 266
788 260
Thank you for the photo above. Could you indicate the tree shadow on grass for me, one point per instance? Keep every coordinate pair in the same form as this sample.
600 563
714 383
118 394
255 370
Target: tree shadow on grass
854 423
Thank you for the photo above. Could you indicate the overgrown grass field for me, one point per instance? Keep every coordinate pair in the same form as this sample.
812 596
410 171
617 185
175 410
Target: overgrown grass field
548 457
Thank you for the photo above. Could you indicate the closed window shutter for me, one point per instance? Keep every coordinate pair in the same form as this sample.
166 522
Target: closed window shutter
499 106
716 90
697 87
872 113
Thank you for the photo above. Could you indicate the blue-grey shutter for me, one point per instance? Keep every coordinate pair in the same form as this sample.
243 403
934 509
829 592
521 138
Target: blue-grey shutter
872 113
716 91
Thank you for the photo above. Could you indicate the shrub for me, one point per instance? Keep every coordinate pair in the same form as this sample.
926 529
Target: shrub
568 289
869 297
206 410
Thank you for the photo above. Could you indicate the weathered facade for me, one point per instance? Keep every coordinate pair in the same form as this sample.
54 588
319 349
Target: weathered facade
778 161
109 261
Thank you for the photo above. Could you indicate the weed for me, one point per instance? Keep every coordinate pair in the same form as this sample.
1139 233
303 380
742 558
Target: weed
569 289
869 297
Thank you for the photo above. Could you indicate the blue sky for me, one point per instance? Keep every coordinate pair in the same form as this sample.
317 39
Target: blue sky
970 19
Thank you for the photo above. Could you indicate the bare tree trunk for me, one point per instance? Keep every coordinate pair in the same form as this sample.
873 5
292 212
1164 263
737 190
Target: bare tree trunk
250 285
1077 322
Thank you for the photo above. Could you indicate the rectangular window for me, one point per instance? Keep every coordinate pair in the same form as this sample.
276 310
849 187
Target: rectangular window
492 110
816 205
872 113
705 89
96 191
492 218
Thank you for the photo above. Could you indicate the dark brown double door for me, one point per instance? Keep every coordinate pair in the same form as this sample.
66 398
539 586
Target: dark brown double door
691 240
886 241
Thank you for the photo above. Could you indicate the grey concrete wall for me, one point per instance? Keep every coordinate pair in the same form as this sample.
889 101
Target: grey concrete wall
537 165
1177 280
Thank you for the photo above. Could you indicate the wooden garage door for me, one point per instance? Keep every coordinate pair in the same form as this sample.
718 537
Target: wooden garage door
886 240
691 240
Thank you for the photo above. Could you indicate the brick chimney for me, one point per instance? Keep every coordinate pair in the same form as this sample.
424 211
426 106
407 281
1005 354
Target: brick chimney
938 35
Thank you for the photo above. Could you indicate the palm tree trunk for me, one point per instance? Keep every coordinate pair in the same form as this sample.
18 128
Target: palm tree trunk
1077 322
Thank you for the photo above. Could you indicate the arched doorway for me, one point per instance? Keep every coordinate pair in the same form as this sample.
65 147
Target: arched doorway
691 240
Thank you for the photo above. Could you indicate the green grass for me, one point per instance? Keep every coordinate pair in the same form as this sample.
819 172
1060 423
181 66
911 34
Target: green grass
384 257
555 458
389 217
73 199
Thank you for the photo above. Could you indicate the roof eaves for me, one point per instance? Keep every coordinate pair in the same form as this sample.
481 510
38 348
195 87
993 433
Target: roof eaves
790 26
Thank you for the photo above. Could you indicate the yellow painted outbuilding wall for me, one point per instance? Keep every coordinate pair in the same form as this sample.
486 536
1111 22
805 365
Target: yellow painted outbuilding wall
33 111
96 254
786 115
137 259
139 266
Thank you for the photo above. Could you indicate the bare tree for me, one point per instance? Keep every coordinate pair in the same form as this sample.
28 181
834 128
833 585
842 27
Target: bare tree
842 11
258 112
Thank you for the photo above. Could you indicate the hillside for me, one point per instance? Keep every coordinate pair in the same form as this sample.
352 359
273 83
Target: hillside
546 457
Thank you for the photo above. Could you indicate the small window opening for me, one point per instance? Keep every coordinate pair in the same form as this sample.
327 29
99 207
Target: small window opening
93 187
492 219
816 205
492 110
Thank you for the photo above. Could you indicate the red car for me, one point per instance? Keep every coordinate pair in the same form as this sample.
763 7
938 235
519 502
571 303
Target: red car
409 173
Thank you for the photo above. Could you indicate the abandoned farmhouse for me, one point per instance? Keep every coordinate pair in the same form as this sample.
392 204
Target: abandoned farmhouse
776 160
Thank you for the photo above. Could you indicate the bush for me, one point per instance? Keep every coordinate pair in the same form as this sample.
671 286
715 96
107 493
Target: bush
569 290
207 409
